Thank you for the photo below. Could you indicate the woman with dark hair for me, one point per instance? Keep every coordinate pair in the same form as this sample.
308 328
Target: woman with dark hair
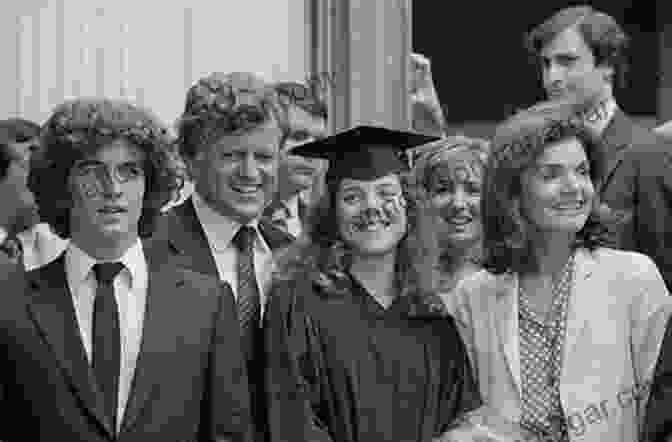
360 347
450 174
558 325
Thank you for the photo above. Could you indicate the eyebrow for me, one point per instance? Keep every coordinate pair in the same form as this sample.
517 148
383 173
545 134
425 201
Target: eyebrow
562 165
91 162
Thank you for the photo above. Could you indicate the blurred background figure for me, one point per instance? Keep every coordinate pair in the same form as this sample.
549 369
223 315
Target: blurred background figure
299 178
22 236
450 173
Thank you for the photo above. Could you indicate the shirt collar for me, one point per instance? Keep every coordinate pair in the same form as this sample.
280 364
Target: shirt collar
220 229
606 110
78 263
292 206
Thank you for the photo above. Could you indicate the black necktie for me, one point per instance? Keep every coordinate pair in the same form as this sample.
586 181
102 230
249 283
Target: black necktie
249 305
106 336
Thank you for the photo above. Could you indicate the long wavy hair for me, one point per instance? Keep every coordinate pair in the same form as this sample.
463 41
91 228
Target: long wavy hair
518 142
322 255
443 152
77 129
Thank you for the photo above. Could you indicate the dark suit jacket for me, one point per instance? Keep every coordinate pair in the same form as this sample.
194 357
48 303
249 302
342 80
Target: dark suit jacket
189 384
189 248
638 180
189 245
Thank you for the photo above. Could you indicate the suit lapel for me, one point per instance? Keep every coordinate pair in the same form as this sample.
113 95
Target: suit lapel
616 138
187 237
157 339
507 325
53 312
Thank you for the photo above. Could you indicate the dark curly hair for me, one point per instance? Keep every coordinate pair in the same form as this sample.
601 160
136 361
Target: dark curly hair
222 104
77 129
14 130
322 255
517 143
603 35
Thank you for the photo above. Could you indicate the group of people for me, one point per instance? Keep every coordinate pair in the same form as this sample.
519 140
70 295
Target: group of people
372 285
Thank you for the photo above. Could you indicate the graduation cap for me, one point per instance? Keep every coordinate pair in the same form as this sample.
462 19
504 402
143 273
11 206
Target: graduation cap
364 152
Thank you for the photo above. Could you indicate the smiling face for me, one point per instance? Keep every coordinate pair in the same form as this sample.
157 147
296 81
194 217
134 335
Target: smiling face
107 189
557 193
371 214
455 191
237 174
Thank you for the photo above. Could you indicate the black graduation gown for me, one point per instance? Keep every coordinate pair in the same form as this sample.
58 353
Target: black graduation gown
658 418
344 369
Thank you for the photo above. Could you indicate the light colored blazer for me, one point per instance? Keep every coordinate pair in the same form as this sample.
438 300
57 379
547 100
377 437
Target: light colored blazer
617 314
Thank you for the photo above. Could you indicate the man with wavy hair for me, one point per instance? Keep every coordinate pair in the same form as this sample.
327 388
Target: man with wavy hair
91 348
581 54
229 135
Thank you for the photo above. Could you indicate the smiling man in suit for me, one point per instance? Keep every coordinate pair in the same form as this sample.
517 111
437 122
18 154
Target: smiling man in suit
109 342
229 136
581 53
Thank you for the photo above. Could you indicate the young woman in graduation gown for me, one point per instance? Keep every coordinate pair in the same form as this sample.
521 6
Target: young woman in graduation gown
360 350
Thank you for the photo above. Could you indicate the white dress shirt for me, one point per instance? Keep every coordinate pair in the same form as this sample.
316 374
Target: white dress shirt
219 231
292 219
40 245
130 291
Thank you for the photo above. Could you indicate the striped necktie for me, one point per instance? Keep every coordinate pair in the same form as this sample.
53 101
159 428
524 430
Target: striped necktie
249 303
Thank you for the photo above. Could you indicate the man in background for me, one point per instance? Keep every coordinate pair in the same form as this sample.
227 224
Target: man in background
298 177
581 54
23 239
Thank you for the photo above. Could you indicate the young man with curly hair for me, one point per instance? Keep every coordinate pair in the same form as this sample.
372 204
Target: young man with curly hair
91 347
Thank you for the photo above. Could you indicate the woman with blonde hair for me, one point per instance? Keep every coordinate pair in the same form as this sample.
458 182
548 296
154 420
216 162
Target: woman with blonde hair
449 173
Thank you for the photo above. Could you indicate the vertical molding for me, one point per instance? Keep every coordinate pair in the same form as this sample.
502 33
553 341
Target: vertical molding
18 63
406 11
36 98
100 55
188 56
340 62
665 72
25 48
124 62
58 92
84 60
100 72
